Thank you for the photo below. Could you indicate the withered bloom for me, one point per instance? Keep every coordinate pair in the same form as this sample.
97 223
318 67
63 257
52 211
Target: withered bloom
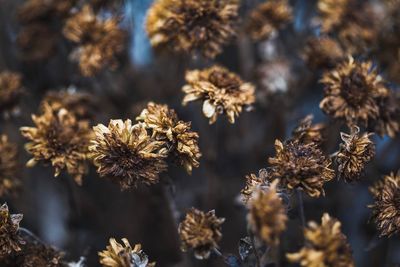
306 132
192 26
8 167
100 41
201 232
326 246
332 13
254 183
300 166
10 241
127 154
268 17
165 126
60 139
352 92
323 52
386 209
267 215
36 254
354 153
40 10
10 90
221 91
118 255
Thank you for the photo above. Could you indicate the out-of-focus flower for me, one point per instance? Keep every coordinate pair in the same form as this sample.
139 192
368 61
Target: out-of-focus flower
274 77
268 17
326 246
36 254
323 52
306 132
8 167
388 121
201 232
332 13
127 154
60 139
352 92
10 90
385 210
42 10
123 255
267 215
165 126
221 91
354 154
10 241
192 26
100 41
300 166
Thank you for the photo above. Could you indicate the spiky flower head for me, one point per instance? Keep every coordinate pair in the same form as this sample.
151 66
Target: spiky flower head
100 41
200 232
352 92
254 183
306 132
10 90
10 240
267 215
127 154
386 209
300 166
354 153
123 255
192 26
325 246
221 91
323 52
60 139
9 181
181 141
268 17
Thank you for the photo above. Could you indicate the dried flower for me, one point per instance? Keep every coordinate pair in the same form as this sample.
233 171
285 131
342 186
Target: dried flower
118 255
201 232
192 26
100 41
267 215
127 154
8 167
10 241
352 92
386 209
166 126
41 10
60 139
10 90
254 183
323 52
306 132
354 154
326 246
301 166
268 17
332 13
39 255
222 92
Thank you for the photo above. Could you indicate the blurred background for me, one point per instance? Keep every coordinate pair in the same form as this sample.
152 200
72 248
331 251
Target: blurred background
81 219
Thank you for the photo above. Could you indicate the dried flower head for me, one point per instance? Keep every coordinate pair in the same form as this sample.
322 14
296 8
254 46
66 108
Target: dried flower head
10 241
220 90
8 167
323 52
123 255
201 232
254 183
268 17
326 246
332 13
300 166
60 139
386 209
267 215
10 90
306 132
354 154
192 26
352 92
43 10
127 154
165 126
35 254
100 41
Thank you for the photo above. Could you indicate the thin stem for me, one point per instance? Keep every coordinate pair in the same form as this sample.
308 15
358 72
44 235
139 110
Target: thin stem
217 252
30 234
253 245
301 207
